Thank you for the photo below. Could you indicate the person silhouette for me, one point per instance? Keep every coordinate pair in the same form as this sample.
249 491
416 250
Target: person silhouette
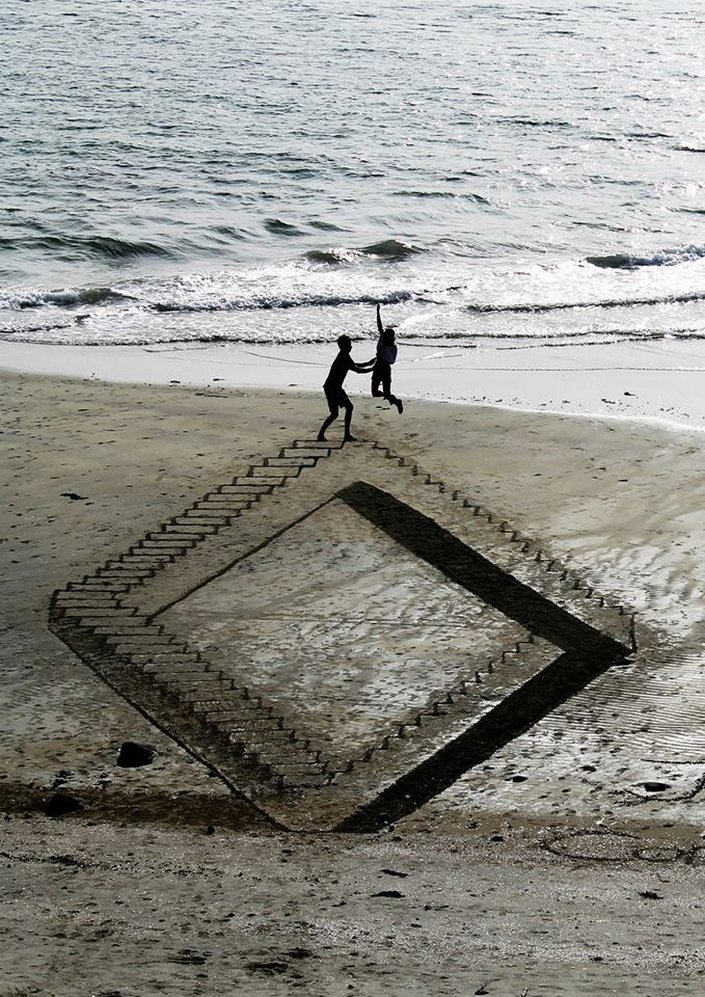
333 387
382 370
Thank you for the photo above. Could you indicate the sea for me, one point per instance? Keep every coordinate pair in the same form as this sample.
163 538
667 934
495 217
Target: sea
499 173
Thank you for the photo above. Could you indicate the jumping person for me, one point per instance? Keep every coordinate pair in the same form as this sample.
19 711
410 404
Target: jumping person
382 371
333 387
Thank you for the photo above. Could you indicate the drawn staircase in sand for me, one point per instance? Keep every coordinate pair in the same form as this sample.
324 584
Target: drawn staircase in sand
253 744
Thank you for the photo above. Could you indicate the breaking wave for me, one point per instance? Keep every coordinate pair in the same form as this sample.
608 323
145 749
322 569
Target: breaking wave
631 261
267 302
556 306
64 298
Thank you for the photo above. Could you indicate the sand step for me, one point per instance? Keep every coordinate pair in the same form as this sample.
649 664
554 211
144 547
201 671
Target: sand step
99 613
223 507
62 603
317 445
130 645
298 461
127 566
166 662
280 752
237 500
254 487
267 475
175 681
76 595
119 586
246 491
145 558
109 630
251 484
314 455
165 544
294 780
230 702
177 533
201 690
208 516
176 671
126 574
203 525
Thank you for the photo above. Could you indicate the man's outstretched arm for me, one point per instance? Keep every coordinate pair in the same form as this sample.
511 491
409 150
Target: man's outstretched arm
363 368
380 327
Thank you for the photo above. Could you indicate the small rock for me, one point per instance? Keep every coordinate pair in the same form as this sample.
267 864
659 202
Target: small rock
210 829
655 787
132 755
394 894
74 496
650 895
497 837
63 803
393 872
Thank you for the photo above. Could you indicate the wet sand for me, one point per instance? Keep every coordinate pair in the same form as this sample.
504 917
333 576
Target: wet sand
554 869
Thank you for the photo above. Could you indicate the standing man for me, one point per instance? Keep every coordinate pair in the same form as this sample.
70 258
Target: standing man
333 387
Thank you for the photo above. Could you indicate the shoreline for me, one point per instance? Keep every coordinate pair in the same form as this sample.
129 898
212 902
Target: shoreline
658 383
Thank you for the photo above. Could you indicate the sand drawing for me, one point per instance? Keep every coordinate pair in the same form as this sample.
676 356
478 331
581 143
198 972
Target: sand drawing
408 637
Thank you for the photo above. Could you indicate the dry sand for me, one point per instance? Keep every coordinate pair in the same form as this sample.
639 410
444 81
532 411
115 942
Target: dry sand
551 870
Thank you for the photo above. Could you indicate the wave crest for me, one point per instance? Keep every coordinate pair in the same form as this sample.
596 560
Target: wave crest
65 298
86 247
391 249
556 306
269 303
664 257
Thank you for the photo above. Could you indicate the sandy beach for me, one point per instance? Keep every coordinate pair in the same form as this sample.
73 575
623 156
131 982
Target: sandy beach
569 862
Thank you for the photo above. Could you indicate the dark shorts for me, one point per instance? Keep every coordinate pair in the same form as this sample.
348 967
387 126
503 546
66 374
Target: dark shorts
336 399
382 373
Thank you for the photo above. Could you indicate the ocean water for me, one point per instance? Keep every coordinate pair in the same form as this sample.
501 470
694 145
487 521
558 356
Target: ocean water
512 172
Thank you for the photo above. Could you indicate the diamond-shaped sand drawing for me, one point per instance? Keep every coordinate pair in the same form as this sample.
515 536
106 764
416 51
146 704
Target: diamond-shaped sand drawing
340 635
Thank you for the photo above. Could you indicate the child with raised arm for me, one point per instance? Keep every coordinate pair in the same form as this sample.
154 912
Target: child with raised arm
333 387
382 371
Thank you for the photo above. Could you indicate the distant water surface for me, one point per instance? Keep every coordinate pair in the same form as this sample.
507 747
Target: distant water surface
510 172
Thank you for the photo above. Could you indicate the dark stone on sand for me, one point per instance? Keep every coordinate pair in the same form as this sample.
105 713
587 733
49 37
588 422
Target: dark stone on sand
132 755
655 787
518 778
497 837
63 803
394 894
